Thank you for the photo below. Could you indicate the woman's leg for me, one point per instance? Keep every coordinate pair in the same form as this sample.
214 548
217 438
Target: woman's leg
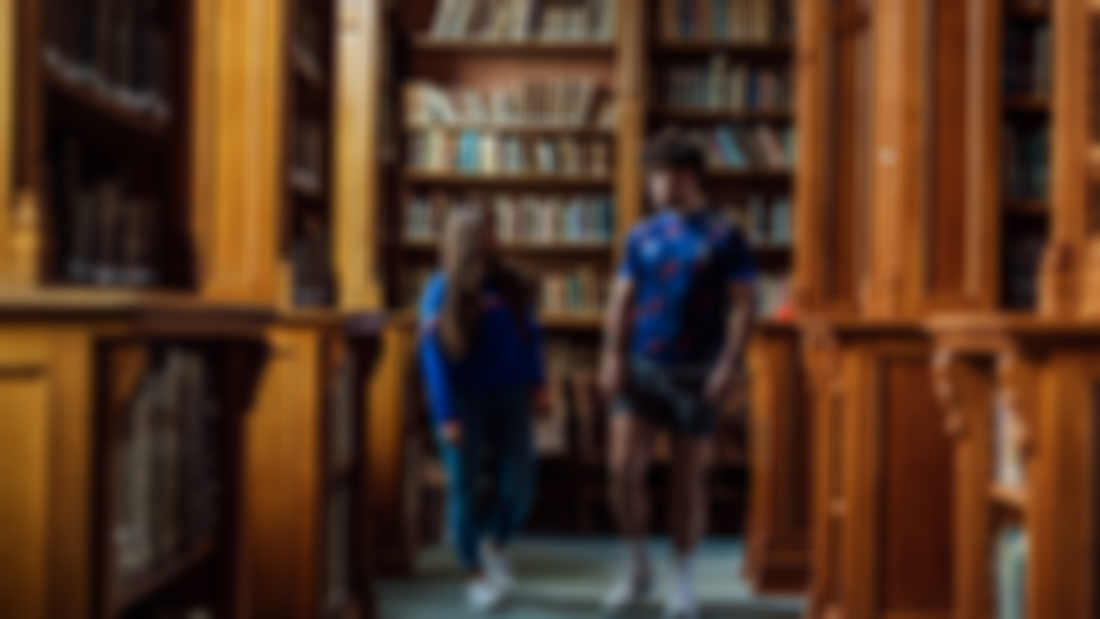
462 463
510 431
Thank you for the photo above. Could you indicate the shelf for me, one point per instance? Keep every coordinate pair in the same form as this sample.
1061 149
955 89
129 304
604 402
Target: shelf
1011 498
749 175
707 115
145 588
1027 105
307 69
523 181
546 249
564 130
687 46
569 322
306 185
107 109
536 47
343 471
1029 12
1030 208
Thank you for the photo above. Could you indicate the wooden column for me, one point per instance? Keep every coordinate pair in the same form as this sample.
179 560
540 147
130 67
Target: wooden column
389 436
781 431
361 157
238 144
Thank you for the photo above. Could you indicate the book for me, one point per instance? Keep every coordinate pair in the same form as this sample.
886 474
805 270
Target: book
523 20
727 20
521 220
168 495
497 153
562 102
1010 569
724 85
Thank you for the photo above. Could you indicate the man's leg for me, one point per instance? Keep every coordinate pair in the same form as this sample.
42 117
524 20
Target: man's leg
690 505
631 439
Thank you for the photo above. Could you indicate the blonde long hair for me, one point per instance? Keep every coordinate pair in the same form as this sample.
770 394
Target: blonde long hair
467 267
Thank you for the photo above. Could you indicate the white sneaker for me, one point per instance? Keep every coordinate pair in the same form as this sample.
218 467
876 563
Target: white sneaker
632 590
498 569
681 603
484 595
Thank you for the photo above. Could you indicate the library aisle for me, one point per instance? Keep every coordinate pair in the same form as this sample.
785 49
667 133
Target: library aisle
566 577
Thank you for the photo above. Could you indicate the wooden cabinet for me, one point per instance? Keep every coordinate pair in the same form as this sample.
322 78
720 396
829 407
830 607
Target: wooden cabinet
308 528
121 432
1020 395
782 462
883 534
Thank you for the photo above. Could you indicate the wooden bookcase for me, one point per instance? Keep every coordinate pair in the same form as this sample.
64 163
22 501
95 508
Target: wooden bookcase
1020 395
309 534
781 439
104 164
122 432
626 63
308 216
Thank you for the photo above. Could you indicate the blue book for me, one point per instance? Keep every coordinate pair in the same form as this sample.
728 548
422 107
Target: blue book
731 150
1011 575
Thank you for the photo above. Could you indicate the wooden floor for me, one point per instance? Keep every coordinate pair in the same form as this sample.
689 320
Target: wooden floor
565 578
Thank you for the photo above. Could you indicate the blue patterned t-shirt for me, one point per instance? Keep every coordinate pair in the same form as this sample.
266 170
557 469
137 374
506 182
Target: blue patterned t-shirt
682 267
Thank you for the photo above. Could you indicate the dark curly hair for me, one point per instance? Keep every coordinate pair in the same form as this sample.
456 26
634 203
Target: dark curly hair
671 149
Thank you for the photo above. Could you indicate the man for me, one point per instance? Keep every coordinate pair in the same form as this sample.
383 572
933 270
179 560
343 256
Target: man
676 326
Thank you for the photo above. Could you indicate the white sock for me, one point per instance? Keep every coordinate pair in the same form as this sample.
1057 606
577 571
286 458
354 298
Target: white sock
685 574
638 559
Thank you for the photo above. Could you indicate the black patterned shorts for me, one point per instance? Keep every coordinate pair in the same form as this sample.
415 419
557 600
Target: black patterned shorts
672 398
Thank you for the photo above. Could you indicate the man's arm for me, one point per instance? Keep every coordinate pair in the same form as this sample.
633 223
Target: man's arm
616 327
738 324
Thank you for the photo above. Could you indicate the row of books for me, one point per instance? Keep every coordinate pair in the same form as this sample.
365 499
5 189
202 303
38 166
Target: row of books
744 147
1010 575
727 20
524 20
1008 453
311 272
476 152
764 221
1027 59
169 486
1023 254
120 48
562 102
528 219
580 292
110 232
340 548
309 41
343 426
307 157
1026 160
724 86
772 297
196 612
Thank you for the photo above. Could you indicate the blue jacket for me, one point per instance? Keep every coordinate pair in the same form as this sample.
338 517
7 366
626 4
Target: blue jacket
501 357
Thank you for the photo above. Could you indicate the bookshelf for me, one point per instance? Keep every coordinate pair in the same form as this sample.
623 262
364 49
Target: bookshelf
1025 445
1023 148
137 492
309 537
103 164
723 73
308 216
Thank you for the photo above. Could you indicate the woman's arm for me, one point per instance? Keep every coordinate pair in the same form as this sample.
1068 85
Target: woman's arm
434 365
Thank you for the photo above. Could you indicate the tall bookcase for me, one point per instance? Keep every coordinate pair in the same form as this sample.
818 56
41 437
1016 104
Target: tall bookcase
543 118
103 170
308 217
171 187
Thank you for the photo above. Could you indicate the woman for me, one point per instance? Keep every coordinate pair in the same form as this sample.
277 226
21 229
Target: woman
481 355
